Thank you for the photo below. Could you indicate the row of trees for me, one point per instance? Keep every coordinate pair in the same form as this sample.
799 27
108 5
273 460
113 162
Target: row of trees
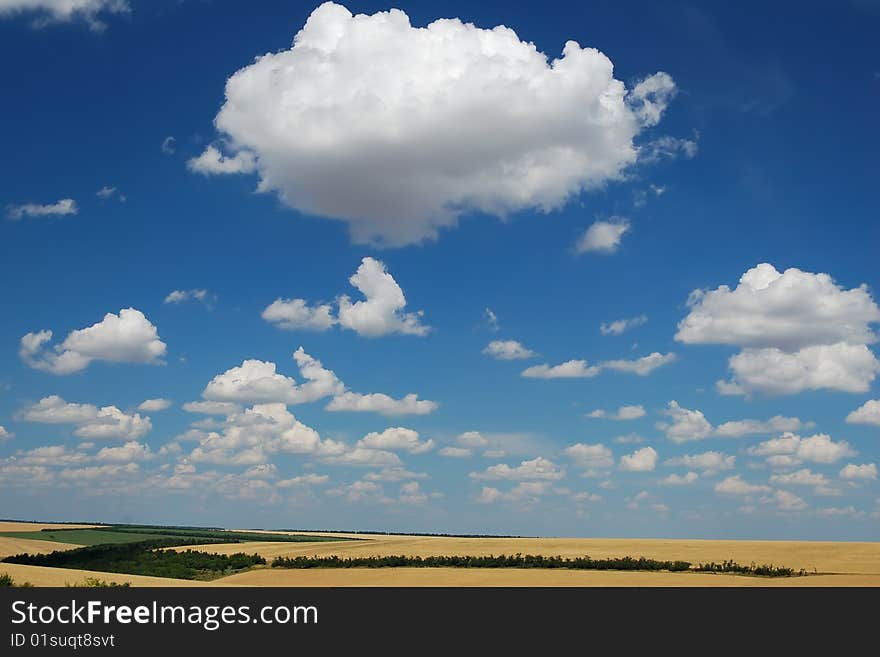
491 561
202 535
764 570
145 558
531 561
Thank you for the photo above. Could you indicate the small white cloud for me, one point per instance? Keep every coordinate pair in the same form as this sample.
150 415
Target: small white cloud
381 310
641 460
797 331
735 485
213 162
396 438
128 337
507 350
622 413
311 479
867 413
127 453
196 294
58 209
296 314
619 326
5 435
680 480
106 193
154 405
535 469
776 424
793 449
169 145
381 403
603 236
686 425
707 462
92 422
853 472
572 369
803 477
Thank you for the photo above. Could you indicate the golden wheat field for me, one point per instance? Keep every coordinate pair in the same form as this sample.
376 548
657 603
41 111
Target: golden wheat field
837 563
823 557
9 546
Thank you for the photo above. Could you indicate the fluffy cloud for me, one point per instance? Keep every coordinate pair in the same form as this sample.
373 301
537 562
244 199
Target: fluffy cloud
310 479
396 438
618 326
107 422
854 472
707 462
63 11
867 413
603 236
680 480
797 330
411 493
296 314
572 369
622 413
399 130
804 477
250 437
257 381
4 434
686 425
50 455
381 403
535 469
590 458
59 209
212 162
127 453
818 448
456 452
381 310
154 405
366 457
735 485
128 337
111 423
641 460
470 440
776 424
507 350
579 369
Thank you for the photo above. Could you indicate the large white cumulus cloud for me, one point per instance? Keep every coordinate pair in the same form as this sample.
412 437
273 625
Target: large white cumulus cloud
797 330
399 130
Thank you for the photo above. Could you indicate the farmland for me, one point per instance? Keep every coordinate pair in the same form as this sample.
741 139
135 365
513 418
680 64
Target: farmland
388 559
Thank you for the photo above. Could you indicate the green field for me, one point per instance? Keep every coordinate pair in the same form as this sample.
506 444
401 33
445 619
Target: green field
118 534
83 536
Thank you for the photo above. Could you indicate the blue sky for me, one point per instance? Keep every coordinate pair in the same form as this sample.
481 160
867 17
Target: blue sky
459 168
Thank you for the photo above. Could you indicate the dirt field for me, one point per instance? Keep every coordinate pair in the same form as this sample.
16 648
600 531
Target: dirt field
824 557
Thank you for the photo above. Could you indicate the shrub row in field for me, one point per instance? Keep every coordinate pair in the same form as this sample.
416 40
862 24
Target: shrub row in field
145 559
529 561
491 561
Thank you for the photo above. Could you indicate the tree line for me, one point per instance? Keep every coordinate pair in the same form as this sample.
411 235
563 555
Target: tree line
145 558
529 561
